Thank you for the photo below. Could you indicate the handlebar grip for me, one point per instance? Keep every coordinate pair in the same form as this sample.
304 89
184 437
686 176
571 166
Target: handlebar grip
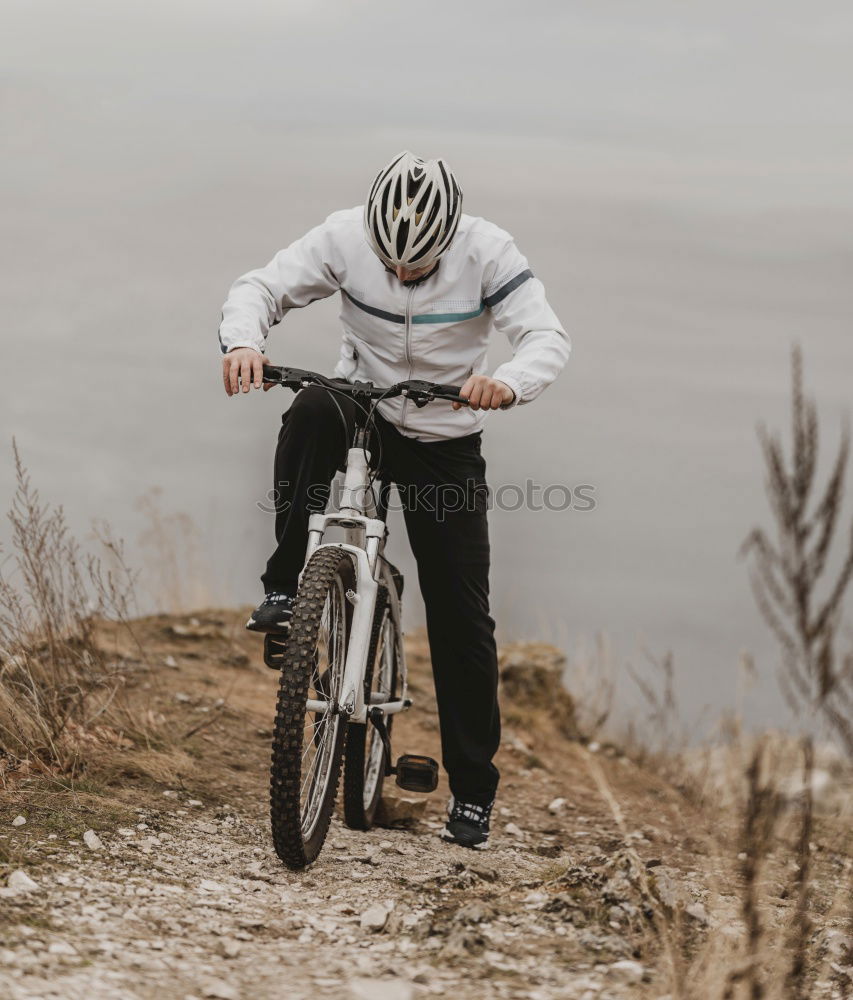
452 393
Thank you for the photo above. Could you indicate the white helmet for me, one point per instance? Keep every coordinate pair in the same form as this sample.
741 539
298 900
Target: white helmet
412 211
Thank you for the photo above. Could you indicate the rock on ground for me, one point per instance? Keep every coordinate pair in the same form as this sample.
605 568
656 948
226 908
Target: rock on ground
21 882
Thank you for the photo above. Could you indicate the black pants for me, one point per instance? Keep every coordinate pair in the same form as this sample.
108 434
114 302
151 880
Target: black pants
442 488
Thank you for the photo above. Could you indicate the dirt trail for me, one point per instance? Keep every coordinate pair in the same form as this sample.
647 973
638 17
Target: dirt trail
182 897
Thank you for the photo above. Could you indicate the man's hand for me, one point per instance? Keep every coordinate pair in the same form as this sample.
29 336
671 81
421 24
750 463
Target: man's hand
244 366
484 393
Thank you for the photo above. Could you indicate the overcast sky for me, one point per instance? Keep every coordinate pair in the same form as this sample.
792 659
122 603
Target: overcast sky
547 67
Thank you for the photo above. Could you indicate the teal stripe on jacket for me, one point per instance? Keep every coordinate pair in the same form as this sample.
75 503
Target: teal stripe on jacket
448 317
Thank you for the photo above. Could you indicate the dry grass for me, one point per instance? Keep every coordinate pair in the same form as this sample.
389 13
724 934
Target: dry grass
172 767
61 683
787 873
784 858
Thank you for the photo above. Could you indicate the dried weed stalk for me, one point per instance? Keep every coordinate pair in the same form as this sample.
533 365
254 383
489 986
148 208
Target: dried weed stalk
788 576
799 931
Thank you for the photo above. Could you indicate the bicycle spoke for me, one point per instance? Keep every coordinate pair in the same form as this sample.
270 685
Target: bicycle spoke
319 734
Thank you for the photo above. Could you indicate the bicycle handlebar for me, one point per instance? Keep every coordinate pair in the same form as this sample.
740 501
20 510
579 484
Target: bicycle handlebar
419 391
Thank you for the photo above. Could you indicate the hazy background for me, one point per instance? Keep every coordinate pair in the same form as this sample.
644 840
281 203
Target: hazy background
678 175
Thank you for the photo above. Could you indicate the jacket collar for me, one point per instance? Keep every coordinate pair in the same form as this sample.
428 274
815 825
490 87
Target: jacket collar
415 281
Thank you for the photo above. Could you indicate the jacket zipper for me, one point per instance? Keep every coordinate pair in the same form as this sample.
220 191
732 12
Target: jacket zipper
408 351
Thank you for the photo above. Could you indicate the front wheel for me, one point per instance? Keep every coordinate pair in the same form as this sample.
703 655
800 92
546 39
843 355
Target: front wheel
308 737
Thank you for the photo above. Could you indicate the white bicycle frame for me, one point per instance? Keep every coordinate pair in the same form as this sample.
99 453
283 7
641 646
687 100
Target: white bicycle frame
365 543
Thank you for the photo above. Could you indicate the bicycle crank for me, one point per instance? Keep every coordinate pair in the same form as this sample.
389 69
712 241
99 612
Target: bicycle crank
414 772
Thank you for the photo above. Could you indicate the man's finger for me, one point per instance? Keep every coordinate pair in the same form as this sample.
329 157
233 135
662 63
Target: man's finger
246 374
258 369
474 395
234 376
464 391
226 375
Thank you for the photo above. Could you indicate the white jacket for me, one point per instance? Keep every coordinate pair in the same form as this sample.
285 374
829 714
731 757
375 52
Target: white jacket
437 329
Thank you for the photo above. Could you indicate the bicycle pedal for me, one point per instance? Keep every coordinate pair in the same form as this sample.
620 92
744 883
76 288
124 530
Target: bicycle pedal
416 773
274 647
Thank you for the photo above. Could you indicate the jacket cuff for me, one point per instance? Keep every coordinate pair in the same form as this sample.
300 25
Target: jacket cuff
240 343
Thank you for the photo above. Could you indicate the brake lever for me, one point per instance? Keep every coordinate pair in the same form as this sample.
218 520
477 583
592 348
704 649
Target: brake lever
281 375
290 378
423 392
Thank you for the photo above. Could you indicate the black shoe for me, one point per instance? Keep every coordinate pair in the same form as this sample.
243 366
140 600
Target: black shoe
467 824
273 614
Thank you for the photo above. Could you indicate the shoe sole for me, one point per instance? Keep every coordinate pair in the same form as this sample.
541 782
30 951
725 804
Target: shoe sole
448 838
271 629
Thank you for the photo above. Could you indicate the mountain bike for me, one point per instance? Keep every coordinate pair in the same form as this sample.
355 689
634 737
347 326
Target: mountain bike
342 662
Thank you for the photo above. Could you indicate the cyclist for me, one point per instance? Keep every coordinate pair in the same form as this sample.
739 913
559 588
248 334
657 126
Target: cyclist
422 285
